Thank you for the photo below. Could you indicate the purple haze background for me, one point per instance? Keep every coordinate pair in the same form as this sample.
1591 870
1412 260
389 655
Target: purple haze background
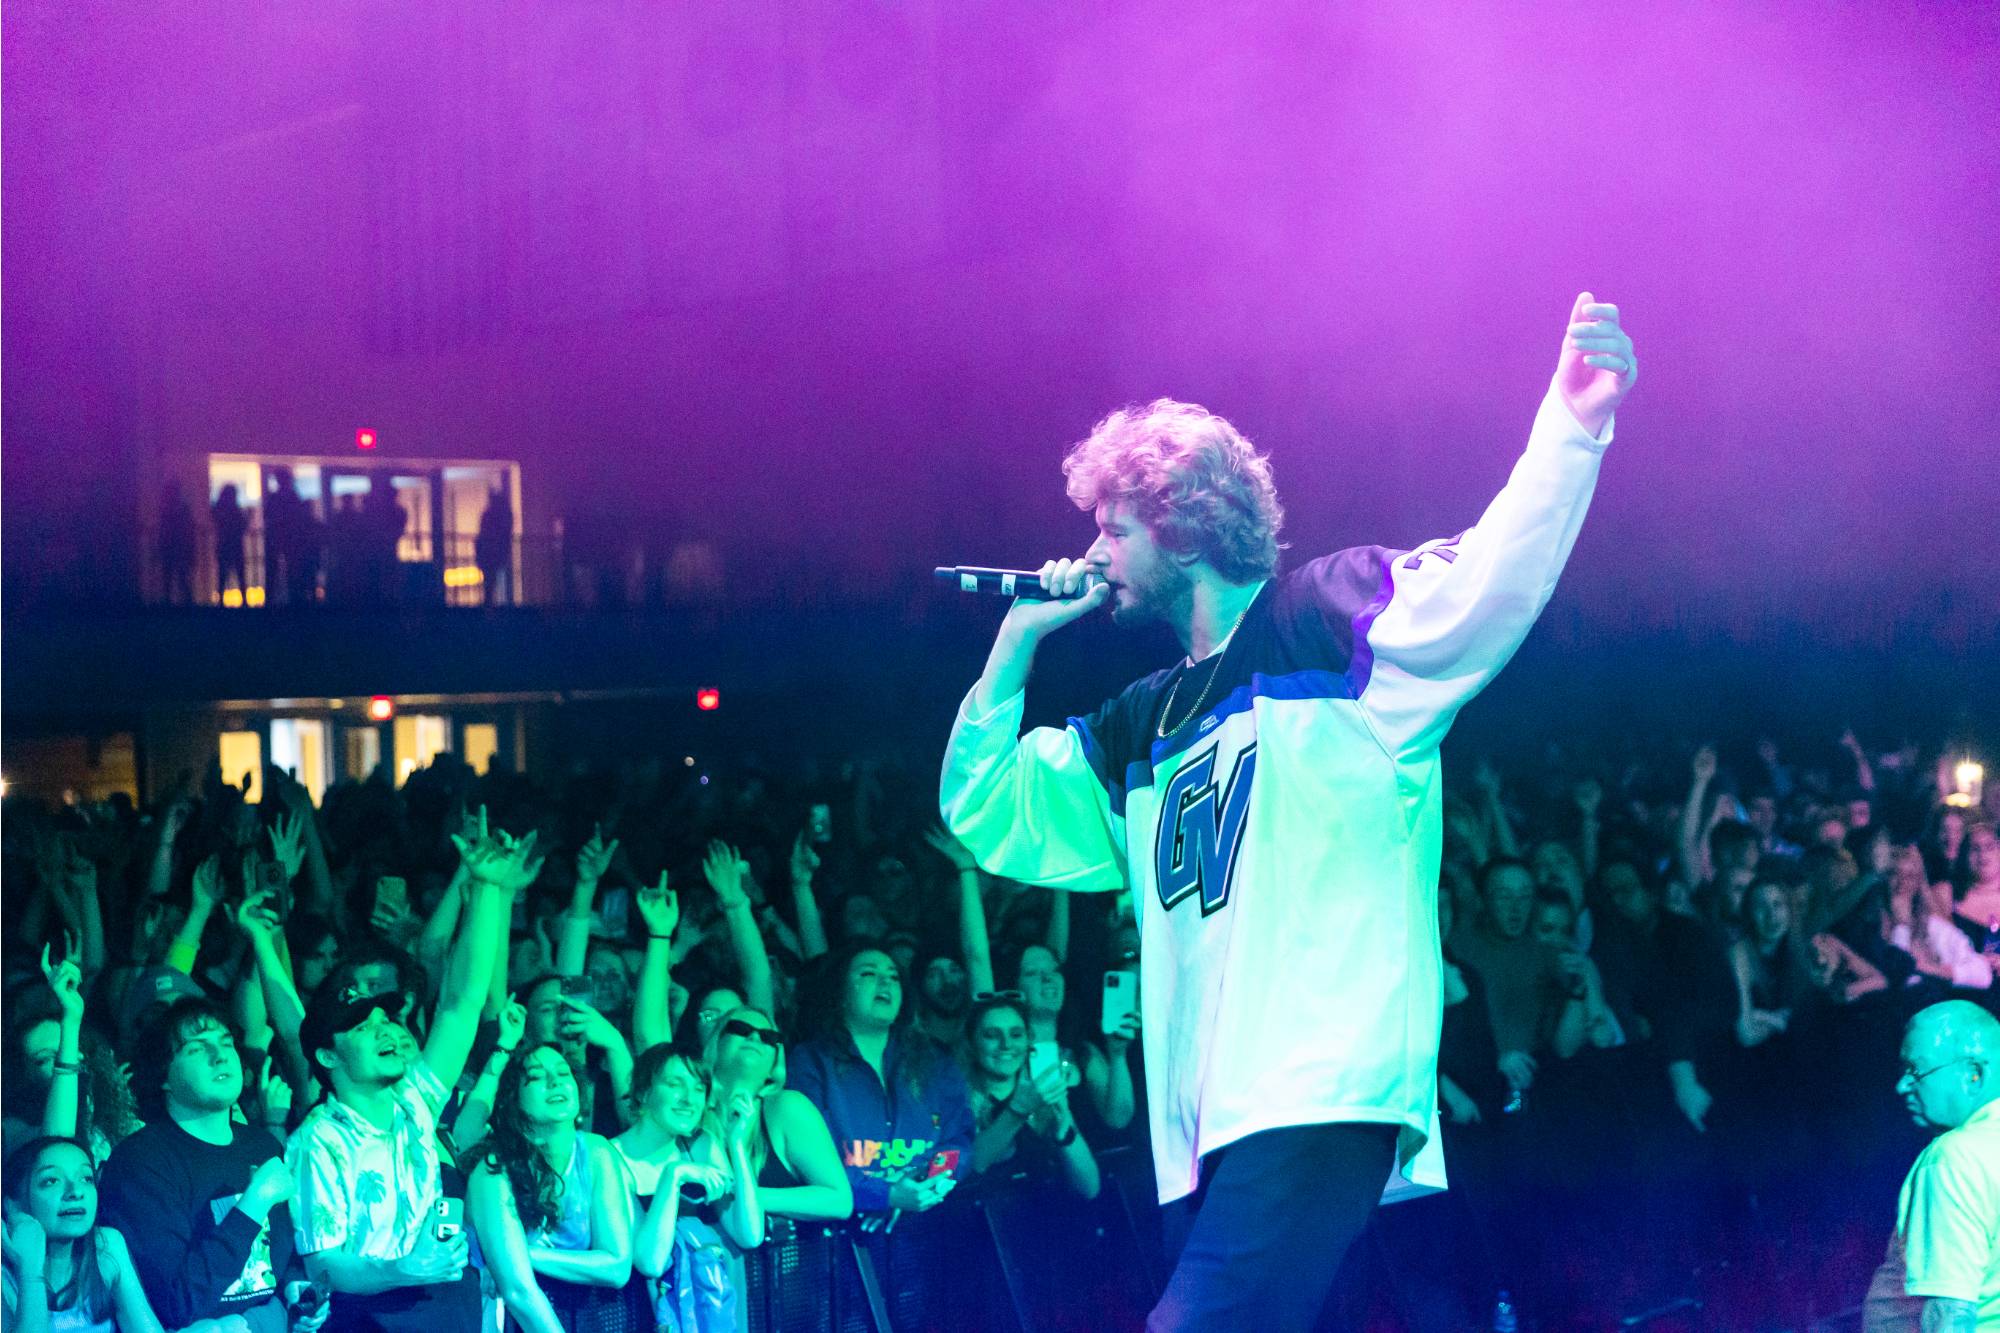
847 278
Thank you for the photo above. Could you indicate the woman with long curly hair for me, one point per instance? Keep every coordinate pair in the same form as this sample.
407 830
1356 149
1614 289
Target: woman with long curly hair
549 1205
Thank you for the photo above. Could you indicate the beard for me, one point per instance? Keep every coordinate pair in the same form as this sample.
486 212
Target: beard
1152 595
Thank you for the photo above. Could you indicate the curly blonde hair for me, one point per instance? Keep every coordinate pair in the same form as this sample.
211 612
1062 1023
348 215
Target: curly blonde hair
1194 481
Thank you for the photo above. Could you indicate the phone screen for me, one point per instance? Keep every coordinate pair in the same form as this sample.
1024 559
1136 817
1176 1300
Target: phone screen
943 1163
582 988
1121 999
391 894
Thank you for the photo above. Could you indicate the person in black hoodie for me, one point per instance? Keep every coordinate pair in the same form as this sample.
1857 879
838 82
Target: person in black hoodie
204 1198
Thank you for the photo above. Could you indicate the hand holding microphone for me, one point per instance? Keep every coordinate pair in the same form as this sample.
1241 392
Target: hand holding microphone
1073 593
1067 591
1044 599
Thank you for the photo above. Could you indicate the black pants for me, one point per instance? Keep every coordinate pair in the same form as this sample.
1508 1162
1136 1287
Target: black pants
442 1307
1262 1236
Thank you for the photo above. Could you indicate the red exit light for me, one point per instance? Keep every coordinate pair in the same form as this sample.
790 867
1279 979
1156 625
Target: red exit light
364 438
708 699
381 708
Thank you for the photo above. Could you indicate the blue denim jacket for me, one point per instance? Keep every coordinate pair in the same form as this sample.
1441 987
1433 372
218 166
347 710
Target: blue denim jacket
884 1134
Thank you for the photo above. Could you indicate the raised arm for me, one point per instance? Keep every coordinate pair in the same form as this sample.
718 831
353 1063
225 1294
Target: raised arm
1057 938
972 937
1035 808
207 896
1587 796
89 908
652 995
475 1114
1441 621
724 869
497 865
319 894
591 863
1694 817
812 931
1864 772
59 1111
1494 810
160 872
433 942
274 978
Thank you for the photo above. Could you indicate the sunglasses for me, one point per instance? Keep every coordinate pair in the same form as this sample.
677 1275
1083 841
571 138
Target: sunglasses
737 1027
985 995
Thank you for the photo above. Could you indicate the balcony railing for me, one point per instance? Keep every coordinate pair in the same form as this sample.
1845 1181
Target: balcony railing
423 569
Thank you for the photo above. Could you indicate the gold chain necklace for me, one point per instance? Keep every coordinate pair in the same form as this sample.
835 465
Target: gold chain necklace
1163 730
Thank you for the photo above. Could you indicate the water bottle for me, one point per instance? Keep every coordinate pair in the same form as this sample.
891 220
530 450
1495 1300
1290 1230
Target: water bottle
1504 1319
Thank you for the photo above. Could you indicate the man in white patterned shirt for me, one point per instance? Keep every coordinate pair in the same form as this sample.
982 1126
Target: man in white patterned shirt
366 1159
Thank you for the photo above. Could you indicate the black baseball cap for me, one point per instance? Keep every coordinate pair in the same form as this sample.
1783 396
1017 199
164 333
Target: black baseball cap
336 1007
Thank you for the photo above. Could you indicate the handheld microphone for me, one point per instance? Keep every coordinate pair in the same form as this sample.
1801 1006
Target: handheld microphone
1025 584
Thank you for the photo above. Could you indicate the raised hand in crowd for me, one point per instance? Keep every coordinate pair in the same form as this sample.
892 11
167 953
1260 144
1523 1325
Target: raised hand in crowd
724 869
593 859
495 857
65 980
812 941
652 994
288 849
660 908
275 1094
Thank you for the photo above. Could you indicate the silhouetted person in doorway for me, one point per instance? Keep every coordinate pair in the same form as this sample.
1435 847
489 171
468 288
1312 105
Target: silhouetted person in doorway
493 548
382 522
226 518
346 572
291 542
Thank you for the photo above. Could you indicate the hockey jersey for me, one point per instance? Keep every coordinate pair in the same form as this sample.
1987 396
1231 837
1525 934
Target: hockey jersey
1282 848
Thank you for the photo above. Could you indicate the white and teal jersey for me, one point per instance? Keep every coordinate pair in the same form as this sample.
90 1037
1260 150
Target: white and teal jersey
1283 847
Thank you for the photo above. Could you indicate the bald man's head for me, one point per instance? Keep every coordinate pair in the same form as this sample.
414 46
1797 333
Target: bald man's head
1951 1063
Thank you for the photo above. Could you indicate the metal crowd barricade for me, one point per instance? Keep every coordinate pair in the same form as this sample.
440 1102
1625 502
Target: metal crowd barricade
1010 1256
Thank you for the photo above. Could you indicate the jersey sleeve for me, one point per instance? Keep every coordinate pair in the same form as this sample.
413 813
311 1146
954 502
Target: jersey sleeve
1442 619
1036 808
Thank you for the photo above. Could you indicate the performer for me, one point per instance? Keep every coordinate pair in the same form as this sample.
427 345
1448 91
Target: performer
1273 801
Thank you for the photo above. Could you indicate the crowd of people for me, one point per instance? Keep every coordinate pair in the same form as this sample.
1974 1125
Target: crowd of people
577 1049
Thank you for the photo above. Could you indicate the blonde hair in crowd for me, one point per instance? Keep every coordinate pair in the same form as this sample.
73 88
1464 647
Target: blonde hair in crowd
1197 485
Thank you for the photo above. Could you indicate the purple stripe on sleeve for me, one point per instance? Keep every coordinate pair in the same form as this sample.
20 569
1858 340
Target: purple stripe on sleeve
1362 663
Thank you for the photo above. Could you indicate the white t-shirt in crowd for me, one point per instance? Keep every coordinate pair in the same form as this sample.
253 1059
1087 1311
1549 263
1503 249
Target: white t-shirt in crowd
1948 1219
